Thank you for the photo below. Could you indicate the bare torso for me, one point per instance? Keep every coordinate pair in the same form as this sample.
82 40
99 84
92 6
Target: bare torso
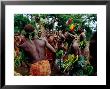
40 48
35 49
75 48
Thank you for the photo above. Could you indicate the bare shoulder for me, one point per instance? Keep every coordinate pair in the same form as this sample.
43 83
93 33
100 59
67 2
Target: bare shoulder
23 44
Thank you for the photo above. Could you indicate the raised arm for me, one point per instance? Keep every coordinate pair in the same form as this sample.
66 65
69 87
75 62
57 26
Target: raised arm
49 46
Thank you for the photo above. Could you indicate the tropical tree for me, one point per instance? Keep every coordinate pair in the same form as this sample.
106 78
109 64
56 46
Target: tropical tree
19 22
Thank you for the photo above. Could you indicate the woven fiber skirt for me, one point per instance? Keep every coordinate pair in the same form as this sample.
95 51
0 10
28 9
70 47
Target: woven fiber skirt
40 68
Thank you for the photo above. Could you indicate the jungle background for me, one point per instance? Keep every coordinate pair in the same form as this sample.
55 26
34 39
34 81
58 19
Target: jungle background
72 23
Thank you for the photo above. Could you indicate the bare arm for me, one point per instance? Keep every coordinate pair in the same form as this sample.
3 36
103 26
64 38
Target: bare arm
49 46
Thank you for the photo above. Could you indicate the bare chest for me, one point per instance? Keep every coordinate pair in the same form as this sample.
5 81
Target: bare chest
39 43
29 46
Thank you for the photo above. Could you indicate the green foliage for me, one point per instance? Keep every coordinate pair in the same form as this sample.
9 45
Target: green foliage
88 70
89 19
19 22
19 59
83 44
81 20
59 54
68 64
88 32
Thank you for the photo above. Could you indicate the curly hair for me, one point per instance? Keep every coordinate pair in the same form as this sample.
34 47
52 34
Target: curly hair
29 28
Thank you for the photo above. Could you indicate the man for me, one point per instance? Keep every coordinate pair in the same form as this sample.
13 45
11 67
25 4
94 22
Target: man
74 47
49 54
35 49
82 35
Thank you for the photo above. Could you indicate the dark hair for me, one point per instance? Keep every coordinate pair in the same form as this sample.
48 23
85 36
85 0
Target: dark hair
29 28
